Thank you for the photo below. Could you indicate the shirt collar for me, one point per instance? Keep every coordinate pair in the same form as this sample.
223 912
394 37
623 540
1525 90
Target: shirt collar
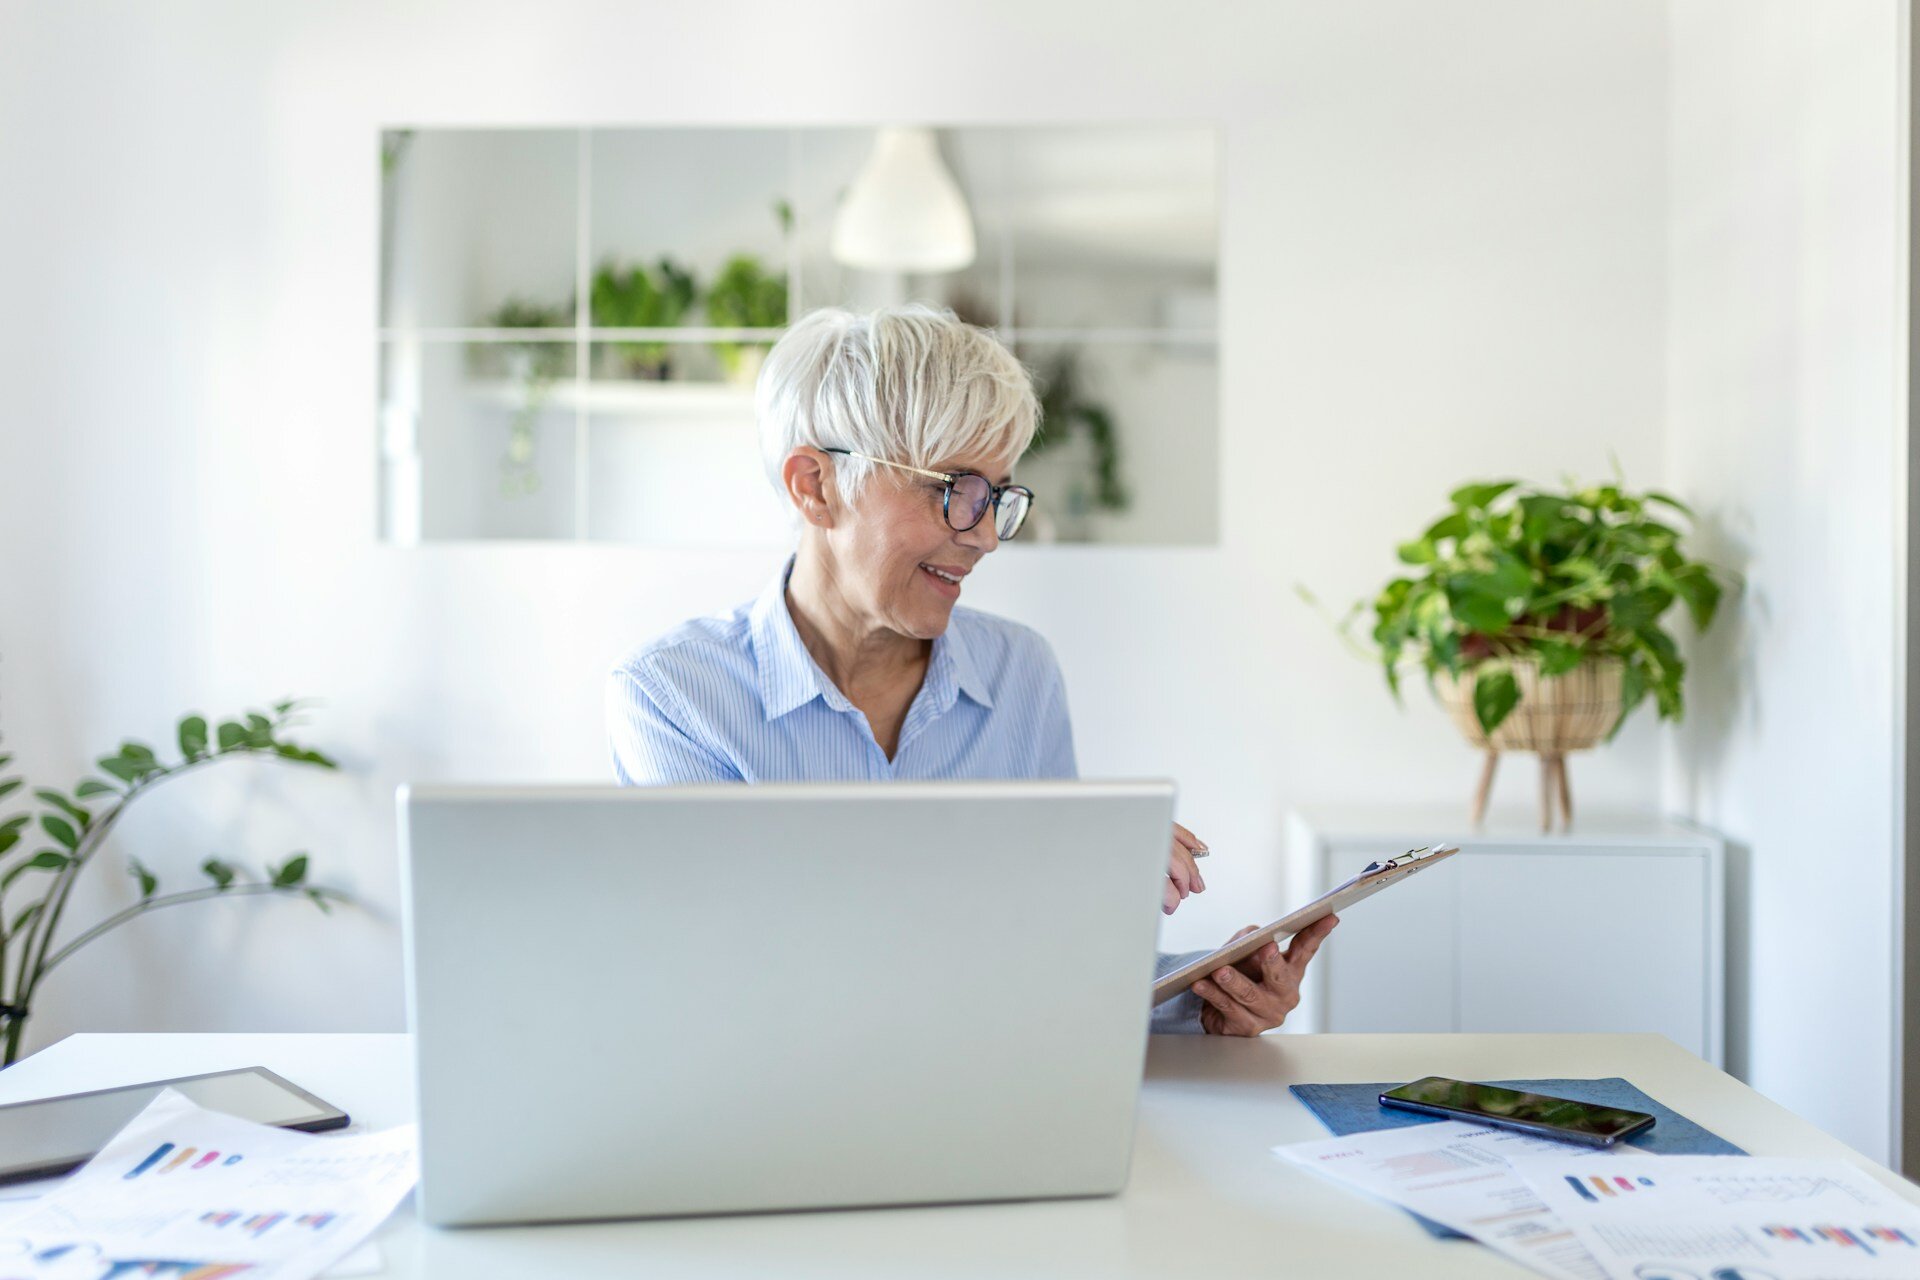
790 678
965 675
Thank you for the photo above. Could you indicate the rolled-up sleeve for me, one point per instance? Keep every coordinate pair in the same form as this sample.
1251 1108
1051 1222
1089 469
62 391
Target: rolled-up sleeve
1179 1016
650 735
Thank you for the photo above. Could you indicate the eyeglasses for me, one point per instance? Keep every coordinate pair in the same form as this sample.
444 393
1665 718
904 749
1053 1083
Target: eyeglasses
1010 502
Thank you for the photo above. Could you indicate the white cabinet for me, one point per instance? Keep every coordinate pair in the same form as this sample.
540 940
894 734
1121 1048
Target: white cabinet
1615 927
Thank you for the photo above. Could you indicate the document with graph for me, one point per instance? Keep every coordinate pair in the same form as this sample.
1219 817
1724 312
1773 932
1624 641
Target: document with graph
183 1191
1457 1174
1730 1217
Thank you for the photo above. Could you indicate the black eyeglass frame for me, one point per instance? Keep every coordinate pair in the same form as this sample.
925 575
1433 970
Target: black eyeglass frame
946 498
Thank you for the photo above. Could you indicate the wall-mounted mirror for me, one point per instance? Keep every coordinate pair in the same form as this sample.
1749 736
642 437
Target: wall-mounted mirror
571 319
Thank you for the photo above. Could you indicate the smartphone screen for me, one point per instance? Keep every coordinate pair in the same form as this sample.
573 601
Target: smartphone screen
49 1136
1582 1120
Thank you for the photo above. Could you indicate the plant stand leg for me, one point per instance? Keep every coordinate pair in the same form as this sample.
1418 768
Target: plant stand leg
1566 793
1547 796
1485 788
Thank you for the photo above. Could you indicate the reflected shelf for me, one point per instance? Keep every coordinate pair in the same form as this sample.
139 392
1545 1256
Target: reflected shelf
628 399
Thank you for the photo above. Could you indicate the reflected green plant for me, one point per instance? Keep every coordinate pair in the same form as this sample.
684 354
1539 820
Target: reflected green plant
641 298
745 296
1064 410
535 366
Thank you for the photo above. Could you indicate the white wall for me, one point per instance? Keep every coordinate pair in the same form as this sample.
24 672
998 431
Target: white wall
1443 257
1787 285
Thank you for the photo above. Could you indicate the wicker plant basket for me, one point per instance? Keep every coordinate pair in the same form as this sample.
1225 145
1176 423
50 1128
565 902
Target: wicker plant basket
1555 715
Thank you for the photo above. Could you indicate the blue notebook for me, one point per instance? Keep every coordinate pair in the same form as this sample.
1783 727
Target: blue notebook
1355 1108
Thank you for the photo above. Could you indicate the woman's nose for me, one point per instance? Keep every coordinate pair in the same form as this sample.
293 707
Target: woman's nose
983 537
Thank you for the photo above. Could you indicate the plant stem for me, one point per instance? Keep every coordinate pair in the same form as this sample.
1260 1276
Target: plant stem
173 900
40 938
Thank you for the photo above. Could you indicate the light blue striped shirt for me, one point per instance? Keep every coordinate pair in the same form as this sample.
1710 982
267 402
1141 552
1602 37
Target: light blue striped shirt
737 698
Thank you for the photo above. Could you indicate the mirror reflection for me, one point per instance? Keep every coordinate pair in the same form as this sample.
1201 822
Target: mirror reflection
571 320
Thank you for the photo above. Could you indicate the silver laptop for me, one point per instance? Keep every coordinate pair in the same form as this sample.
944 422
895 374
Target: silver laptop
631 1002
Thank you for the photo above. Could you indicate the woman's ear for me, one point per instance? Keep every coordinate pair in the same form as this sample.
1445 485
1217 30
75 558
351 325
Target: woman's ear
808 476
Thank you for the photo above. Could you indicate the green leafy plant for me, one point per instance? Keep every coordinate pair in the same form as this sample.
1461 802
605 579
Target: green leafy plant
745 296
1512 572
35 886
536 365
1065 410
641 298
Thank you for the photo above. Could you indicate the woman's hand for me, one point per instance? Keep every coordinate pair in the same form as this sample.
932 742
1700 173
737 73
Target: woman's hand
1258 993
1183 873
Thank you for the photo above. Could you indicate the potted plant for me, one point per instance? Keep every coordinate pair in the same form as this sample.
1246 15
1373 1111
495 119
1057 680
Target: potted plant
657 297
534 366
1065 411
745 296
72 828
1539 618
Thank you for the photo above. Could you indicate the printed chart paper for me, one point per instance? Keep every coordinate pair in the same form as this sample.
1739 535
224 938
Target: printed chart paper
1458 1174
1731 1218
183 1193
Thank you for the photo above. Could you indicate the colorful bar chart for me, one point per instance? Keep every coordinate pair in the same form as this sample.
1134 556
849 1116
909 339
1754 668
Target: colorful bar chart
180 1160
159 1153
1605 1186
258 1224
261 1223
1862 1238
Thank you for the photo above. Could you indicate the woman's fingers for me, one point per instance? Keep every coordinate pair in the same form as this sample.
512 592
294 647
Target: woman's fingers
1182 870
1234 1016
1306 942
1169 896
1229 1009
1193 844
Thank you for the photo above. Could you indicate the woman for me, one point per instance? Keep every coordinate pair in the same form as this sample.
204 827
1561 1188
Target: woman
893 436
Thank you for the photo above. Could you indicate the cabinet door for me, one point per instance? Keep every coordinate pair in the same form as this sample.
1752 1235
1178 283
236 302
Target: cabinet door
1390 964
1583 942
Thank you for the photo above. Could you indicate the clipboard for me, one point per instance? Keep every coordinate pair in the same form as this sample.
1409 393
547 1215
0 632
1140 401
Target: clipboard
1374 877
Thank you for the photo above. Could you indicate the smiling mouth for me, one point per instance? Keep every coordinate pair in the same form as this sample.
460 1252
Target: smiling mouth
943 575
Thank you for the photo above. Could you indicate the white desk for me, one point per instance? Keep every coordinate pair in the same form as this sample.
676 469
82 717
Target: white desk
1205 1198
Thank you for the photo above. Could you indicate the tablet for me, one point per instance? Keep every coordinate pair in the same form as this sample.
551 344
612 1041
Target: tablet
50 1136
1375 877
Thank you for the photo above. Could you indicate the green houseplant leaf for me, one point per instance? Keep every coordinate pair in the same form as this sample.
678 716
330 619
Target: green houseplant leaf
33 945
1514 572
1495 694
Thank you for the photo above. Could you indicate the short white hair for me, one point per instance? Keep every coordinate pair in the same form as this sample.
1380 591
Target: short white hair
911 384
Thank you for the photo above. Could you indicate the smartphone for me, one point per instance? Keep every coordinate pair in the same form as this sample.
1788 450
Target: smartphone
1534 1113
50 1136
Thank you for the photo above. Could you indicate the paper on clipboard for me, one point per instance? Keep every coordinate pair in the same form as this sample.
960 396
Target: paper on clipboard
1371 880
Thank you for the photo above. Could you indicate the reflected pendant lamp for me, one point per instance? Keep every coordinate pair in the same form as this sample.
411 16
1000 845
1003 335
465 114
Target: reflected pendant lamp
904 211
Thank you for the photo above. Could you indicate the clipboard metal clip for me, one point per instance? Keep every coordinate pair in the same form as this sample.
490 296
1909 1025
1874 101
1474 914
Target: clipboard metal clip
1411 858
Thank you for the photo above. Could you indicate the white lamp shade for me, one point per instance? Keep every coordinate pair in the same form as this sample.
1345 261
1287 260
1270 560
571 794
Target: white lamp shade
904 211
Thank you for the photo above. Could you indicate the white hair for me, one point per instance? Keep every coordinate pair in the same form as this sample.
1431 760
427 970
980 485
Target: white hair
909 384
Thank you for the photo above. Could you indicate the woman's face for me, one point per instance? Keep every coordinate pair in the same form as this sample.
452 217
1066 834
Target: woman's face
896 555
